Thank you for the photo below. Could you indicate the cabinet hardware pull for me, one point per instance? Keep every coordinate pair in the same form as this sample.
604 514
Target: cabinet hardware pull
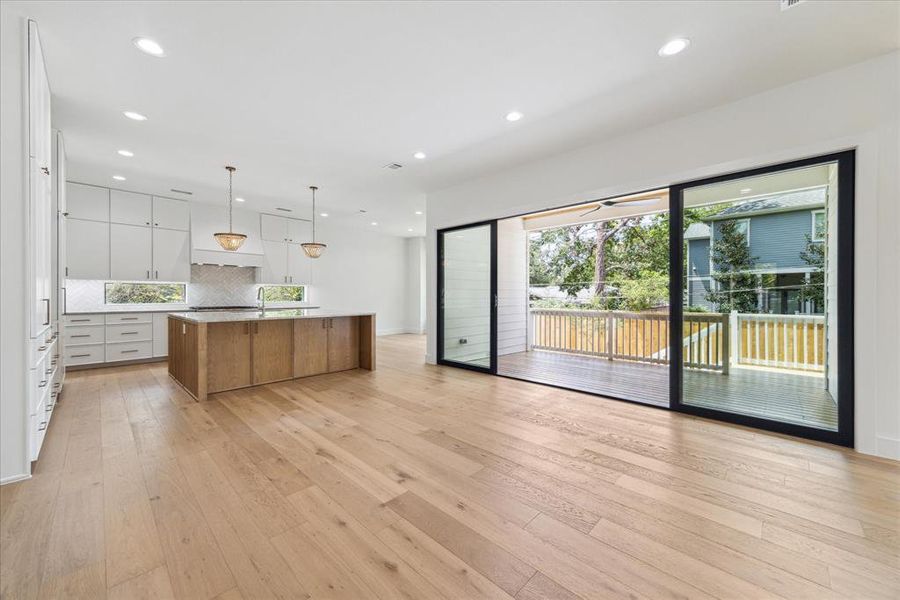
80 355
45 170
47 300
43 383
148 273
81 320
128 351
42 348
323 323
49 408
42 426
81 335
130 332
128 318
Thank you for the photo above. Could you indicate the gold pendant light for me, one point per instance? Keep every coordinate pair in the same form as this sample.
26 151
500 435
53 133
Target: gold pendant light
313 249
230 241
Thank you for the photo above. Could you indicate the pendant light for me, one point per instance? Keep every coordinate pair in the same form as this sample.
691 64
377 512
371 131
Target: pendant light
313 249
230 241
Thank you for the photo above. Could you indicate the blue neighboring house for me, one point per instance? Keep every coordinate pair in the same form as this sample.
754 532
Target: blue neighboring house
778 228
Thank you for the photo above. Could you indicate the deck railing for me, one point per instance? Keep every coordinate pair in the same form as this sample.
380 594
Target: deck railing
710 341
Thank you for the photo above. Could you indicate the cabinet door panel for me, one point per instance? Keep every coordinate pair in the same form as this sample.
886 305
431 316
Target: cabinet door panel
298 265
310 347
171 255
171 214
299 231
160 334
343 343
228 351
129 208
273 343
274 269
130 257
273 228
87 202
87 249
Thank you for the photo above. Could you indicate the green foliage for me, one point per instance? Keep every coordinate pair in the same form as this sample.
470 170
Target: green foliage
648 290
145 293
735 287
814 289
563 257
284 293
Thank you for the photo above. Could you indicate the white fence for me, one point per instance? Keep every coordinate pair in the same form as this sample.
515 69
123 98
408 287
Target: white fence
782 341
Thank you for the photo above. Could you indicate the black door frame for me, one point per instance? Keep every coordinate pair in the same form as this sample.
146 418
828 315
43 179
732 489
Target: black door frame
492 369
846 164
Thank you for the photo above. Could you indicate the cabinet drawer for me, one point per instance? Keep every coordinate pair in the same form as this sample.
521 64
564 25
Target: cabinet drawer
90 334
129 351
116 318
72 320
39 422
85 355
129 333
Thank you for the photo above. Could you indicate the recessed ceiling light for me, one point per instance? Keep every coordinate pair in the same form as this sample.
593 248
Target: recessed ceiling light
127 153
418 212
238 199
323 214
374 222
148 46
514 115
420 155
410 229
118 178
673 47
134 116
746 190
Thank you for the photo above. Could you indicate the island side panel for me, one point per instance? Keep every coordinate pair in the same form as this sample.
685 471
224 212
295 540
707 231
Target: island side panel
367 342
187 356
229 356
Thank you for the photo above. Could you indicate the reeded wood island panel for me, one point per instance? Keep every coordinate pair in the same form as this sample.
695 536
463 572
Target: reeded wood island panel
219 351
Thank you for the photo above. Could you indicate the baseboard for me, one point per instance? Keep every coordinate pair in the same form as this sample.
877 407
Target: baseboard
15 478
888 447
118 363
393 331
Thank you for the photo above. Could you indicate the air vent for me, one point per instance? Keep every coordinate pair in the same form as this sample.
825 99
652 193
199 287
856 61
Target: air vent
393 166
181 192
284 209
362 210
786 4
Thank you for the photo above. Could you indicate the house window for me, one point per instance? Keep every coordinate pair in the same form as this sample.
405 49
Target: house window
743 227
118 292
284 293
818 226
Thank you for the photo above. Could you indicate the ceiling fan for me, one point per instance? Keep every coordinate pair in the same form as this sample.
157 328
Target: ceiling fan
614 202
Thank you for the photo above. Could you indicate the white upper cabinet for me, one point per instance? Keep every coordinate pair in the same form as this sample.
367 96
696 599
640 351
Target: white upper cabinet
129 208
275 263
171 214
298 231
299 265
87 249
130 255
274 229
87 202
171 255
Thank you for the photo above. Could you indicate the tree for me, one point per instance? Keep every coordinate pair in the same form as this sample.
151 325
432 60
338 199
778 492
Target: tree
813 289
563 257
736 286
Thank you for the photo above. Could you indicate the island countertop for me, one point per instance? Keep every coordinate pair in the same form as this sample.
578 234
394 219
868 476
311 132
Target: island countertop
265 315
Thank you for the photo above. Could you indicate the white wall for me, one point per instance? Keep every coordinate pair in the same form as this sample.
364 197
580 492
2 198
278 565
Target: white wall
512 287
853 107
361 270
415 285
13 454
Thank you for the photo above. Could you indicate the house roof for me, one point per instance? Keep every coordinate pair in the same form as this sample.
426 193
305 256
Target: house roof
788 202
696 231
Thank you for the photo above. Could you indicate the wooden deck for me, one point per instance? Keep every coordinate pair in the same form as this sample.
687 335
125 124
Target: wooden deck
793 398
423 482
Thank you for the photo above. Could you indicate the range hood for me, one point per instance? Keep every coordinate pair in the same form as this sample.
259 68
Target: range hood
207 219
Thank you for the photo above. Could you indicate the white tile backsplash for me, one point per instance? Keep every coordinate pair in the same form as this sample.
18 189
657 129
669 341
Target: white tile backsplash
210 285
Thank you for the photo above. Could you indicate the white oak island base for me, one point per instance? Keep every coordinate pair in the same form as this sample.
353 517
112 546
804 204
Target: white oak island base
207 355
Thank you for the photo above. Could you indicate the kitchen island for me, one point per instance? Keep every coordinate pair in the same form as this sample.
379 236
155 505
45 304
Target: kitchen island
213 352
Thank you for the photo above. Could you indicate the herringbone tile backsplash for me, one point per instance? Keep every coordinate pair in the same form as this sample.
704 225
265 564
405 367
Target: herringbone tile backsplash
210 285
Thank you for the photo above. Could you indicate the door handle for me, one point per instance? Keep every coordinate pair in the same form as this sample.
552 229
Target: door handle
47 300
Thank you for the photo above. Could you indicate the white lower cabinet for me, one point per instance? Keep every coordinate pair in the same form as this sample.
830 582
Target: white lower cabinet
128 351
160 334
85 355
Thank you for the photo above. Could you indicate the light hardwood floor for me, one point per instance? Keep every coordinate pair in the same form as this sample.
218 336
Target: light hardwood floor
417 481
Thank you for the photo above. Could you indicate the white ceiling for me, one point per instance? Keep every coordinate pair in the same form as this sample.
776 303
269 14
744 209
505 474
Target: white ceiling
327 93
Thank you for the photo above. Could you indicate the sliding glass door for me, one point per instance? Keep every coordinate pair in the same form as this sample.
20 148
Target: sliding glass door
764 295
467 297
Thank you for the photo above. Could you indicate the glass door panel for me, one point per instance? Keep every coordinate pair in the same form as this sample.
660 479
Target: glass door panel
467 294
765 278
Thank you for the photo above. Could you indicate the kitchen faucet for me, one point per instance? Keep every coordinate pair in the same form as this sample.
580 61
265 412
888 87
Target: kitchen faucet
261 298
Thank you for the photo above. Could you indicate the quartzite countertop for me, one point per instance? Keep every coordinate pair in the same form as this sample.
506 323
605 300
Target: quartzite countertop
212 352
264 315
